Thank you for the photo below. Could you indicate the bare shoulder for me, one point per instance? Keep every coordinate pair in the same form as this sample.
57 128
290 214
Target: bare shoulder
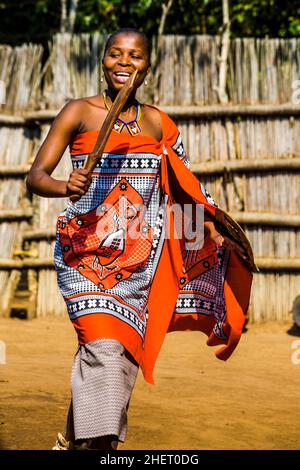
81 106
70 114
153 116
152 112
78 114
91 101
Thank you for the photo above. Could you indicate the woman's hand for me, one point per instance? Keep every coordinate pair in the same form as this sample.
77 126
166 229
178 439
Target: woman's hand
78 184
222 240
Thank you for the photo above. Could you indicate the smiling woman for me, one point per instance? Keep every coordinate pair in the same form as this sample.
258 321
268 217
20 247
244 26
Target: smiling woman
124 280
120 62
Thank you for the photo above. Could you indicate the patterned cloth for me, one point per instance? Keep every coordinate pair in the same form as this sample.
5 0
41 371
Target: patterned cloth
102 382
121 277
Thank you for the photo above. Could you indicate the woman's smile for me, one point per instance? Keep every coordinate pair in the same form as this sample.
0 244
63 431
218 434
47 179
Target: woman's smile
121 77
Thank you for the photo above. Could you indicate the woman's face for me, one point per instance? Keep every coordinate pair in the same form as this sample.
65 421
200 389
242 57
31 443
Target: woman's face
125 54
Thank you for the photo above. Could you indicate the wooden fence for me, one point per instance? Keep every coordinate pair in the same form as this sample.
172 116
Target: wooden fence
247 153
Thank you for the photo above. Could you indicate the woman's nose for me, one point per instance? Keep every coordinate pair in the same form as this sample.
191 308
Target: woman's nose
124 61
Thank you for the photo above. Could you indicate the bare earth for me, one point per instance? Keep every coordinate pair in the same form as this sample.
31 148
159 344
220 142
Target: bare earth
198 402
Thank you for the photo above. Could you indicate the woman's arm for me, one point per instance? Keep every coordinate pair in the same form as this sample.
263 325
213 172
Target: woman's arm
39 180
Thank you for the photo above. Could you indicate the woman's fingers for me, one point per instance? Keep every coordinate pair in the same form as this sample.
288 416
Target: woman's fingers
80 180
79 183
75 190
218 239
74 198
79 176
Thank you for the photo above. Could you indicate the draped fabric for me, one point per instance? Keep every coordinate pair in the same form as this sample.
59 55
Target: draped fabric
125 265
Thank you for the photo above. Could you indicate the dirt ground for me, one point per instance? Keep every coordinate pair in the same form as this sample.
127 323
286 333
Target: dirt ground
249 402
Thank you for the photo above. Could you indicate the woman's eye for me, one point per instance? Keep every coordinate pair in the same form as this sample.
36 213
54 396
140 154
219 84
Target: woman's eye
136 57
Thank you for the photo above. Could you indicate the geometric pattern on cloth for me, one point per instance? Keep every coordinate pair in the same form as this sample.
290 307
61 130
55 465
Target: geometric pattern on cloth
102 185
132 291
207 196
196 262
102 382
110 162
111 241
179 149
104 303
211 300
92 277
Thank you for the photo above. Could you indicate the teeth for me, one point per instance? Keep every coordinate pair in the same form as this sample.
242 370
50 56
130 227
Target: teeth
122 74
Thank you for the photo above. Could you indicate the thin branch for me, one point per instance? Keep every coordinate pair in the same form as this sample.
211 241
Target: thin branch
165 11
63 16
72 15
225 42
166 7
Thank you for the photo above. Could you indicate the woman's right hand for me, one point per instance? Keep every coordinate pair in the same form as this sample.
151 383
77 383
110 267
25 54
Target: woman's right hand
78 183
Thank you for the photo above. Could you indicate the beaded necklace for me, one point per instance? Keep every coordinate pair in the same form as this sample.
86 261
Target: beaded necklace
133 127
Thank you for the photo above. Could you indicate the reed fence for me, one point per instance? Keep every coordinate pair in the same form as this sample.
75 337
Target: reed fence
253 172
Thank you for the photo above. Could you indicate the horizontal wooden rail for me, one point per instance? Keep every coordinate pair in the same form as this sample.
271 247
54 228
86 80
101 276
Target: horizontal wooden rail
277 264
14 170
12 120
42 115
247 165
38 263
265 218
213 111
201 168
15 214
192 111
42 234
28 117
264 264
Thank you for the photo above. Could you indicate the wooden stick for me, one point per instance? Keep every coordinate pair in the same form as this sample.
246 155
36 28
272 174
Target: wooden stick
109 122
108 125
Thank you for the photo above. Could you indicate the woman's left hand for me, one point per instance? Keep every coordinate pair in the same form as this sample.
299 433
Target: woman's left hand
222 240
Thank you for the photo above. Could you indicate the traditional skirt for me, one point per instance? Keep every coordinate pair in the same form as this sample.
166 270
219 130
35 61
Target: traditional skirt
103 378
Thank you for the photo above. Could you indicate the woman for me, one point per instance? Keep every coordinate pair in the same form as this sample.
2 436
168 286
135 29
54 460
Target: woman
104 272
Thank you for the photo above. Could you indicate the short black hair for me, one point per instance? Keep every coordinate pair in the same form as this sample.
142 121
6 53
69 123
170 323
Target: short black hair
130 30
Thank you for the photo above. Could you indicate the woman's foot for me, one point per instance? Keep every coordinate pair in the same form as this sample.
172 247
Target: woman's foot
61 443
109 442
